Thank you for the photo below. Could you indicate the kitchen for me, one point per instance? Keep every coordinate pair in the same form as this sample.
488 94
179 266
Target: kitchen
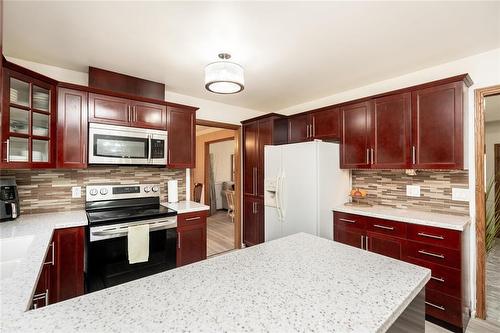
102 233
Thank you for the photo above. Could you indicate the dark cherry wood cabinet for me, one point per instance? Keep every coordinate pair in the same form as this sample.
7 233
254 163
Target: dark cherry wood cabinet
325 124
109 110
299 128
355 135
391 134
148 115
257 133
181 137
435 248
62 273
72 123
191 237
438 121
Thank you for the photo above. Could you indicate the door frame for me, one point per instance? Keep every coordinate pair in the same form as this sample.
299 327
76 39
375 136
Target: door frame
207 161
480 95
237 173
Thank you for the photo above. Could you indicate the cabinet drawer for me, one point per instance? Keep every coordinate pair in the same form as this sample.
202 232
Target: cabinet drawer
443 279
443 307
433 254
353 237
188 219
386 227
349 221
437 236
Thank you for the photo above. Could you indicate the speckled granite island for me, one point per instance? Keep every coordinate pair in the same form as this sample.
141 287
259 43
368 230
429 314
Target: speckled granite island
298 283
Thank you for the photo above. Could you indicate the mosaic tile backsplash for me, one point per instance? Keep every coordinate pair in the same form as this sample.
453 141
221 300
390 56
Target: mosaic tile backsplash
44 191
388 188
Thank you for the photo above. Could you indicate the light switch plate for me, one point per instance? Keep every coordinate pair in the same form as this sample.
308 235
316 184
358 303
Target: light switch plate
76 192
413 190
460 194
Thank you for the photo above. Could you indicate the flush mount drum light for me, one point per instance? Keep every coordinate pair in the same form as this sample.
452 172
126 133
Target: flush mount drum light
224 77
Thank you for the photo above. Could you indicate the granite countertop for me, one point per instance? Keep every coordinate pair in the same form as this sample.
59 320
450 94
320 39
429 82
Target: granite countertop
185 206
17 289
297 283
446 221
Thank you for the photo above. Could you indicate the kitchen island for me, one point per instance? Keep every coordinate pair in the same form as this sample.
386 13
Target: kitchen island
297 283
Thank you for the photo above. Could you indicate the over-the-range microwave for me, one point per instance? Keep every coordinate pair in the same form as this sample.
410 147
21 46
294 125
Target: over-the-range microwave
110 144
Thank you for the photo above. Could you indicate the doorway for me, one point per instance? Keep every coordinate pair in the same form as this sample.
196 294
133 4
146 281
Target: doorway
487 140
216 183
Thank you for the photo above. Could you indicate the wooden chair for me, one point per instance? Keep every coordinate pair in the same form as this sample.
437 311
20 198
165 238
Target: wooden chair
230 204
198 188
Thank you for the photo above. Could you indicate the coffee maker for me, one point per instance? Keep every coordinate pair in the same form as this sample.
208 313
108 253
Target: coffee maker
9 199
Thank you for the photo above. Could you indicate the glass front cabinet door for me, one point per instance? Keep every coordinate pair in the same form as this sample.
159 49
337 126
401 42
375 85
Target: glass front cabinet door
28 122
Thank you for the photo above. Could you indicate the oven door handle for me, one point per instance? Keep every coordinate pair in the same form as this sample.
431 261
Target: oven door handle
124 230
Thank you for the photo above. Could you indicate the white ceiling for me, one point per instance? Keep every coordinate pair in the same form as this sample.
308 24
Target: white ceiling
292 52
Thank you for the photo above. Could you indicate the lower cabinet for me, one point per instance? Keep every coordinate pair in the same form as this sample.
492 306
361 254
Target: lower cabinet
191 237
62 275
438 249
253 228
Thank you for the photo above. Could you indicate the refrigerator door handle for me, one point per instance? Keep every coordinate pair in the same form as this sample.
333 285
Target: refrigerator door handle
278 208
282 210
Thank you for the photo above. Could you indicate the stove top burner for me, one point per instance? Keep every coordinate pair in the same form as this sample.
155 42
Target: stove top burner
113 215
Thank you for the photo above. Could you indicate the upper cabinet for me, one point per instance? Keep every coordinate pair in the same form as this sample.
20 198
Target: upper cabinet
125 112
299 128
322 124
181 137
437 119
420 128
28 122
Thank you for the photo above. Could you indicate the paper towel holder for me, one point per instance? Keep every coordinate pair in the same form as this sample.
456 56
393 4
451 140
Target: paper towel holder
172 191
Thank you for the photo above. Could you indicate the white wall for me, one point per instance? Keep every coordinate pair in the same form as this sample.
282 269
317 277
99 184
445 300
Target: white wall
208 110
484 69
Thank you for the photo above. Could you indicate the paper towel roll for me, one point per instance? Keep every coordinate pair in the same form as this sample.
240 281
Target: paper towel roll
173 194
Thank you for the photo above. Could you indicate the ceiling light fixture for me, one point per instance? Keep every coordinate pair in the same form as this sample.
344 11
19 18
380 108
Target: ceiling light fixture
224 77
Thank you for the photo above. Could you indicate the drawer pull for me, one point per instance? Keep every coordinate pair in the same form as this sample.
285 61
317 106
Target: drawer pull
435 306
423 234
437 279
193 218
431 254
348 221
383 227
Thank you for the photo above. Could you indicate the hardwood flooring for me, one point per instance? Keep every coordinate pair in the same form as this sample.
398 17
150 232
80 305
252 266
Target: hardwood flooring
220 233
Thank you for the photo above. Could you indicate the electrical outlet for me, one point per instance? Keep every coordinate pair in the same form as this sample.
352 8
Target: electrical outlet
412 190
460 194
76 192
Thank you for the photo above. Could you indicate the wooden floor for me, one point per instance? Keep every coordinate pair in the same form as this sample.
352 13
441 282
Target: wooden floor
220 233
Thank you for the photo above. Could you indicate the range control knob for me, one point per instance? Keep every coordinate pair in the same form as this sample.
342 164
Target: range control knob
93 191
103 191
156 188
147 189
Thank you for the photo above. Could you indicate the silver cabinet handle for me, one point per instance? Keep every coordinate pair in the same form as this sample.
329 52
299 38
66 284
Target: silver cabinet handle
367 156
362 242
178 240
346 220
168 155
256 206
46 297
372 154
193 218
435 306
383 227
8 151
437 279
52 260
414 154
423 234
313 127
436 255
307 131
366 243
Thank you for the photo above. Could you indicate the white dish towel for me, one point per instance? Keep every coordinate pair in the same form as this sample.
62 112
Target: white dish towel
138 243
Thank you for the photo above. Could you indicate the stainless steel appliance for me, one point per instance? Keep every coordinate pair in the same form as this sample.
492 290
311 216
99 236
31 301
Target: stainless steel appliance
9 199
110 144
111 209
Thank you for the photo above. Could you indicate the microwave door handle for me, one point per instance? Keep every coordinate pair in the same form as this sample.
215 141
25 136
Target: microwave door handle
149 149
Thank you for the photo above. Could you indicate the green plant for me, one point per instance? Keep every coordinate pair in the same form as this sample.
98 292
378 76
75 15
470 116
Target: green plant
492 216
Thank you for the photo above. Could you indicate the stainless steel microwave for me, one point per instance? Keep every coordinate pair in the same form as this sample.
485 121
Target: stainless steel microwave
110 144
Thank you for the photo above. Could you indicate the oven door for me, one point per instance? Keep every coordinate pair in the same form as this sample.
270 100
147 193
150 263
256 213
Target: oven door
107 255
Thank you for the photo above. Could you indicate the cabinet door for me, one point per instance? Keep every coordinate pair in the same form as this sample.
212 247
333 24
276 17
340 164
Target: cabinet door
191 244
149 115
299 128
391 132
355 136
250 158
385 245
67 273
109 110
352 237
265 137
326 124
253 221
42 289
72 128
181 137
437 127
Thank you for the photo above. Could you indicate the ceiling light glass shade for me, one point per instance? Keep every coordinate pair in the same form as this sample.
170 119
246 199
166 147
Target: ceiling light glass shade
224 77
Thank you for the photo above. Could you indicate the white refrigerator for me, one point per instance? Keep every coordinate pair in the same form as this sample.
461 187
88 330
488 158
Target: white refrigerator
303 182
